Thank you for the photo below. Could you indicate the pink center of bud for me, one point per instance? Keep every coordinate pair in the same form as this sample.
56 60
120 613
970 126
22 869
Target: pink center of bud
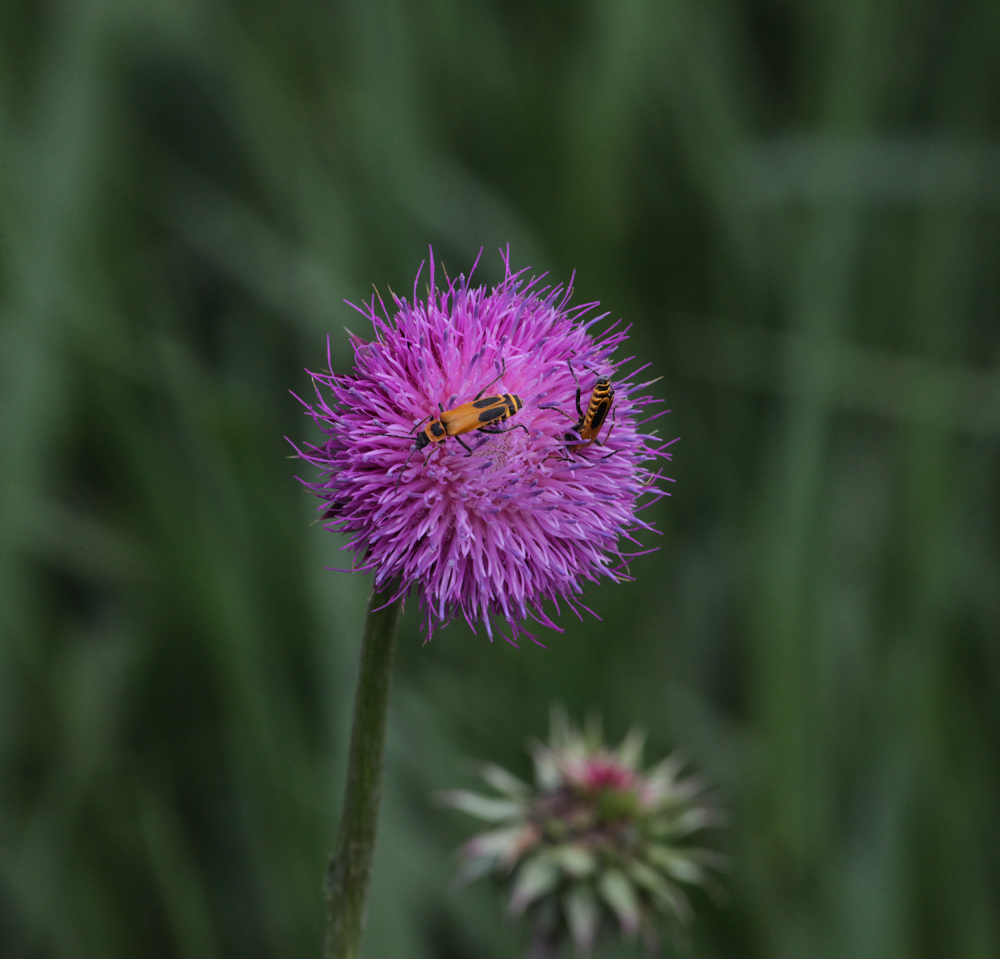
601 772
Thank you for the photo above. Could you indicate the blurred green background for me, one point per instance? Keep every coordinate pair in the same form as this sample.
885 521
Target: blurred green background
795 202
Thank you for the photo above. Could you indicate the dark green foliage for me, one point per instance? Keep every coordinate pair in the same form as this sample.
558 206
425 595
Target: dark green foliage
797 206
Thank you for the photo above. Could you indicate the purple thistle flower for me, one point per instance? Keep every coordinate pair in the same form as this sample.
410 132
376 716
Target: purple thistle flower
525 517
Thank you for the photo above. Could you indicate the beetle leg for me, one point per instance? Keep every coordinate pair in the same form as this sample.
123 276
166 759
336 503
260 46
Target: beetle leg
579 410
494 429
407 463
552 406
614 413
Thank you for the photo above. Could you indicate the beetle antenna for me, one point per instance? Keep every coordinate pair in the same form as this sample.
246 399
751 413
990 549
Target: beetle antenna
424 420
503 372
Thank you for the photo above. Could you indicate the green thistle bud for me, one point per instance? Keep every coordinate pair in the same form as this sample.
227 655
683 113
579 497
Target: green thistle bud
596 843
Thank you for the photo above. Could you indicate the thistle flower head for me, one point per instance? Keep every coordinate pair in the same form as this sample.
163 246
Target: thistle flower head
494 521
595 842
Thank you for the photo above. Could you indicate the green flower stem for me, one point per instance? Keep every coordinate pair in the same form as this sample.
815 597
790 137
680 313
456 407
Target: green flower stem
347 876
